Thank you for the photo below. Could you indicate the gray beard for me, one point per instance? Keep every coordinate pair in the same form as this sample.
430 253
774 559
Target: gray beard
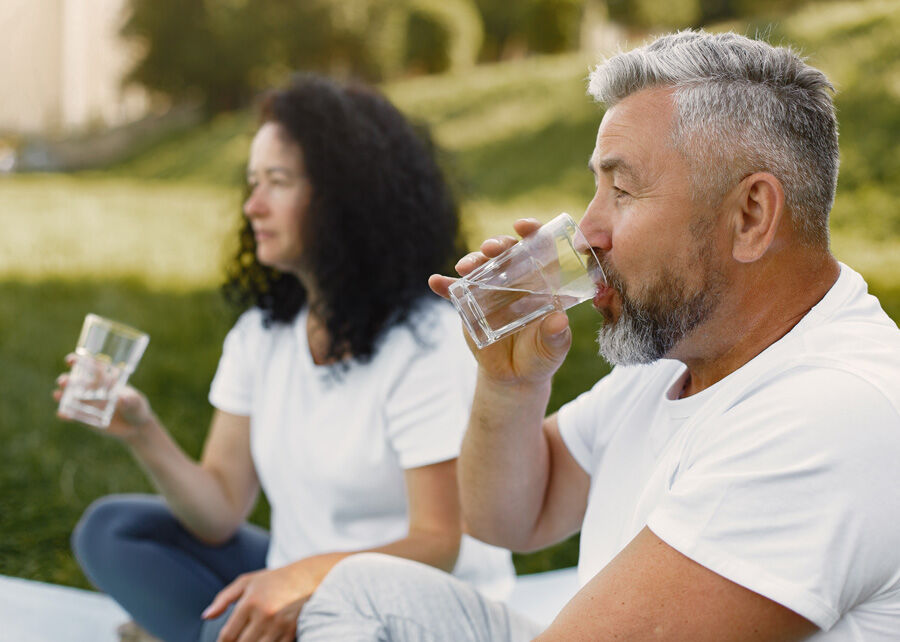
647 331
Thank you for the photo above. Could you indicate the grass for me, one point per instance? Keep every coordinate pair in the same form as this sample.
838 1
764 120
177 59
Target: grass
166 235
143 242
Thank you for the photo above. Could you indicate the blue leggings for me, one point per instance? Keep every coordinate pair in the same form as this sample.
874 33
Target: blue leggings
132 548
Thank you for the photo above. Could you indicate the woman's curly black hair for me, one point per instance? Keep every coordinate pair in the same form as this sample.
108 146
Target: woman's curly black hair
381 218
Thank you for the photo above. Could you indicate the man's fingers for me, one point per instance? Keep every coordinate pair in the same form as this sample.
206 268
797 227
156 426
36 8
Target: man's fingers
489 249
555 336
469 262
526 226
497 245
440 284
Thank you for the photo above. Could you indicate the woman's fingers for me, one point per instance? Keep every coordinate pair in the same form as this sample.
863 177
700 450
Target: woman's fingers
61 382
223 598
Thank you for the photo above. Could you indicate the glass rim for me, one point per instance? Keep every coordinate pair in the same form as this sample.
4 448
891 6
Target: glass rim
116 326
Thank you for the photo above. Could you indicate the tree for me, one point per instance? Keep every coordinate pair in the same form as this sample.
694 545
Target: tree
196 50
221 52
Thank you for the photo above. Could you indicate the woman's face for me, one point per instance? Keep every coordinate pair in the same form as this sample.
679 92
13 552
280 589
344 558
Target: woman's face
280 194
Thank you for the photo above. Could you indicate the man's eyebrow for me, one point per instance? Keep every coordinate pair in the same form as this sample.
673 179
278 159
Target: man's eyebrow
615 164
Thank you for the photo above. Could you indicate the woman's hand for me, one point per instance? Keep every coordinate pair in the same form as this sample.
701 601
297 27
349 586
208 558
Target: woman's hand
132 412
268 603
534 353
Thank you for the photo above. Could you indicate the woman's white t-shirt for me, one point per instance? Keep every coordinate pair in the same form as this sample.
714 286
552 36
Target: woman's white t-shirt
330 446
784 477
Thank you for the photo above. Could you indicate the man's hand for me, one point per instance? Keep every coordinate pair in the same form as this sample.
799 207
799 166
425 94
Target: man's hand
268 604
531 355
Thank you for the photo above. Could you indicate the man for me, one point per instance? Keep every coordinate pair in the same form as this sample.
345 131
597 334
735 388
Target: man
737 475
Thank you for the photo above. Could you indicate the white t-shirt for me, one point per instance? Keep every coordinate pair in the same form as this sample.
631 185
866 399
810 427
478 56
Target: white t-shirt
784 477
330 448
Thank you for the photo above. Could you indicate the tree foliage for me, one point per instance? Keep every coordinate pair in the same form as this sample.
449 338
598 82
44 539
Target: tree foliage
222 52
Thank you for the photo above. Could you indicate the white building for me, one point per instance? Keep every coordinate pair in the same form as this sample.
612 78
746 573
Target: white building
61 67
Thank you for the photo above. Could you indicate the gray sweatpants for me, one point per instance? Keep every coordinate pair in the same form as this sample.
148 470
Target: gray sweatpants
369 597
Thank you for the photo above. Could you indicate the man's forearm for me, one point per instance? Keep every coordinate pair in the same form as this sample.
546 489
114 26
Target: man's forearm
504 462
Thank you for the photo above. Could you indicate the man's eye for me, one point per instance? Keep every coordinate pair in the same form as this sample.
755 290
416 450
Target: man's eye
620 193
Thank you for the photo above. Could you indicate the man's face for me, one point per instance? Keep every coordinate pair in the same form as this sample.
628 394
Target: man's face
658 247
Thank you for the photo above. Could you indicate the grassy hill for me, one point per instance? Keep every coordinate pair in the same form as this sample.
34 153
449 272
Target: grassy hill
143 242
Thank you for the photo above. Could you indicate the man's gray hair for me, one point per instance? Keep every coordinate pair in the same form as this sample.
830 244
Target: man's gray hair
742 106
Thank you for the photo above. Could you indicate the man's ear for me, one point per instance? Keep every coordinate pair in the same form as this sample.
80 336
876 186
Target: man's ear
759 207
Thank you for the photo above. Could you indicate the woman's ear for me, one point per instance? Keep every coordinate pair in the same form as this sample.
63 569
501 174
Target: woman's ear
758 211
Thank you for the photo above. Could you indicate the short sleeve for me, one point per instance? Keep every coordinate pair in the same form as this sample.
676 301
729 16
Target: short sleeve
232 386
795 494
427 408
586 423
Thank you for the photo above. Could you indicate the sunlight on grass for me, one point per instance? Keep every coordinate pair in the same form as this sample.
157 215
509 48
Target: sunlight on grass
214 153
497 102
877 260
814 22
167 235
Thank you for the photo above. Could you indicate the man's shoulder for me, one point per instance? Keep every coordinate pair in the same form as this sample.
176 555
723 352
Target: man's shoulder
845 343
827 413
850 320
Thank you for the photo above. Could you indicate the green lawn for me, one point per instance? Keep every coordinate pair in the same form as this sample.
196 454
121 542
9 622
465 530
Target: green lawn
144 242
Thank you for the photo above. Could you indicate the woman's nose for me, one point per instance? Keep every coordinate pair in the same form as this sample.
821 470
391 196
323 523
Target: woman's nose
255 204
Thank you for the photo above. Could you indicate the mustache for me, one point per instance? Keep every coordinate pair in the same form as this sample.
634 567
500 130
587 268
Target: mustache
613 277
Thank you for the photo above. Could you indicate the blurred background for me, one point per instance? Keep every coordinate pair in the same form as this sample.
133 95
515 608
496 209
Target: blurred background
124 130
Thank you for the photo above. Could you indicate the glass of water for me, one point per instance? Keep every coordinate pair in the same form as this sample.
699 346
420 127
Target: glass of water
106 355
552 269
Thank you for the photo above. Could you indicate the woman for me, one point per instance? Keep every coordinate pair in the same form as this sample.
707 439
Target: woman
342 391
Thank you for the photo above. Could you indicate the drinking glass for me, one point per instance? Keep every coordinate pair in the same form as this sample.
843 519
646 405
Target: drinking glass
552 269
106 355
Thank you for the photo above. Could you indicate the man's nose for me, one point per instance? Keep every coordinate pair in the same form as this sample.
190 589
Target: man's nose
595 226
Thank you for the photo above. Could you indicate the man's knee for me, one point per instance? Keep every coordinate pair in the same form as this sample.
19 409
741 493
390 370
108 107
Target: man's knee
358 597
363 571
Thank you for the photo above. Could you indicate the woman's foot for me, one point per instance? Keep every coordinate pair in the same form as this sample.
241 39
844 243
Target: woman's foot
131 632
